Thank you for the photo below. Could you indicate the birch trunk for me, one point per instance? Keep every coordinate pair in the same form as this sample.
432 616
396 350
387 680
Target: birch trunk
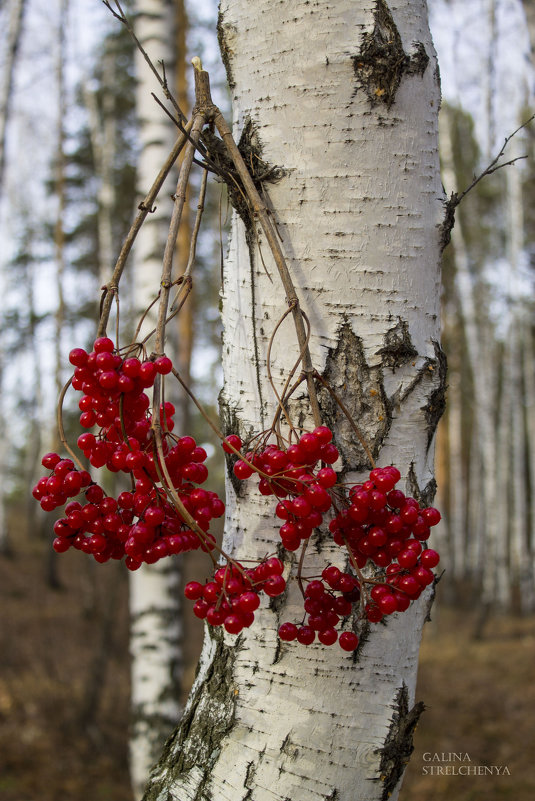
358 210
155 600
521 575
16 14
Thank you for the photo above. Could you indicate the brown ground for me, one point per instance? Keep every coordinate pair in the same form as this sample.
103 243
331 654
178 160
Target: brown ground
64 715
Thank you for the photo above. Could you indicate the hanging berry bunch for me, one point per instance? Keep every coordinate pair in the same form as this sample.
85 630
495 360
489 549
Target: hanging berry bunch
166 511
141 525
383 533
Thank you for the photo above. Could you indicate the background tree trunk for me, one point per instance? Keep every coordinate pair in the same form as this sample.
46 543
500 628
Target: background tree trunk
155 599
358 209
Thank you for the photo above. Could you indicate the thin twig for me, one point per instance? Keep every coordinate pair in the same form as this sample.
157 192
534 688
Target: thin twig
260 210
180 199
61 428
145 207
455 199
121 16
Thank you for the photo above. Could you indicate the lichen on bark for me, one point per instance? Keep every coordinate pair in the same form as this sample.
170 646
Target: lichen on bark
208 717
398 746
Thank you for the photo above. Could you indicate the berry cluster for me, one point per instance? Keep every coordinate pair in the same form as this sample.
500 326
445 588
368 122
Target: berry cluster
141 525
231 598
384 534
380 528
293 474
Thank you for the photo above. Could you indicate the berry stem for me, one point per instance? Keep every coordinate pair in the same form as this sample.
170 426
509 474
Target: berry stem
61 428
261 213
146 206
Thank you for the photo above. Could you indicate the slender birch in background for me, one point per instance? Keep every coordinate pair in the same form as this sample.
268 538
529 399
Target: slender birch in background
155 601
358 210
14 30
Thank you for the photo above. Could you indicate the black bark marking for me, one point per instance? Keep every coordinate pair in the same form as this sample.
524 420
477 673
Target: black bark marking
250 239
398 348
224 31
434 408
398 747
206 722
448 222
251 149
382 62
249 775
425 496
360 388
333 796
231 424
289 748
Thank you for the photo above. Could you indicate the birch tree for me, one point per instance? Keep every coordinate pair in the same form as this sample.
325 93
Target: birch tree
343 99
155 608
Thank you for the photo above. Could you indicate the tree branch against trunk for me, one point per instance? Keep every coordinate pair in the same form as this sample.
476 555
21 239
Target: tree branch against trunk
344 100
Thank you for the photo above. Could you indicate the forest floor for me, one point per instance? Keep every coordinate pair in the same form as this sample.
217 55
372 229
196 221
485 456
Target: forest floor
64 691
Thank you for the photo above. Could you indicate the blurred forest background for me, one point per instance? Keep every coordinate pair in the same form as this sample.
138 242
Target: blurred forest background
72 137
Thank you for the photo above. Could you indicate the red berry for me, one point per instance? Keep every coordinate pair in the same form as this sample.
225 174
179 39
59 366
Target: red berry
315 590
287 631
305 635
429 558
242 470
323 434
163 365
274 586
387 604
50 460
348 641
326 477
331 575
233 624
78 357
103 344
431 516
329 453
200 608
249 601
234 440
328 636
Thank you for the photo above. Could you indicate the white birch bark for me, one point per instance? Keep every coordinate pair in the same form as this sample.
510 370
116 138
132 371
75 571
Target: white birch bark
520 563
16 13
155 601
103 136
358 210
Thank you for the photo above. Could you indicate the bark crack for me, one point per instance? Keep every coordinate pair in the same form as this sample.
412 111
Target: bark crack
196 743
398 746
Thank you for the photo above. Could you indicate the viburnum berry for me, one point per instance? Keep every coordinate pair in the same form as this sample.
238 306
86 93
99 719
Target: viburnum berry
348 641
234 441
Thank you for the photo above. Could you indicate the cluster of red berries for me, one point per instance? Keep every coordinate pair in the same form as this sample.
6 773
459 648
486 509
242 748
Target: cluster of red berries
382 531
141 525
232 597
293 474
380 528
